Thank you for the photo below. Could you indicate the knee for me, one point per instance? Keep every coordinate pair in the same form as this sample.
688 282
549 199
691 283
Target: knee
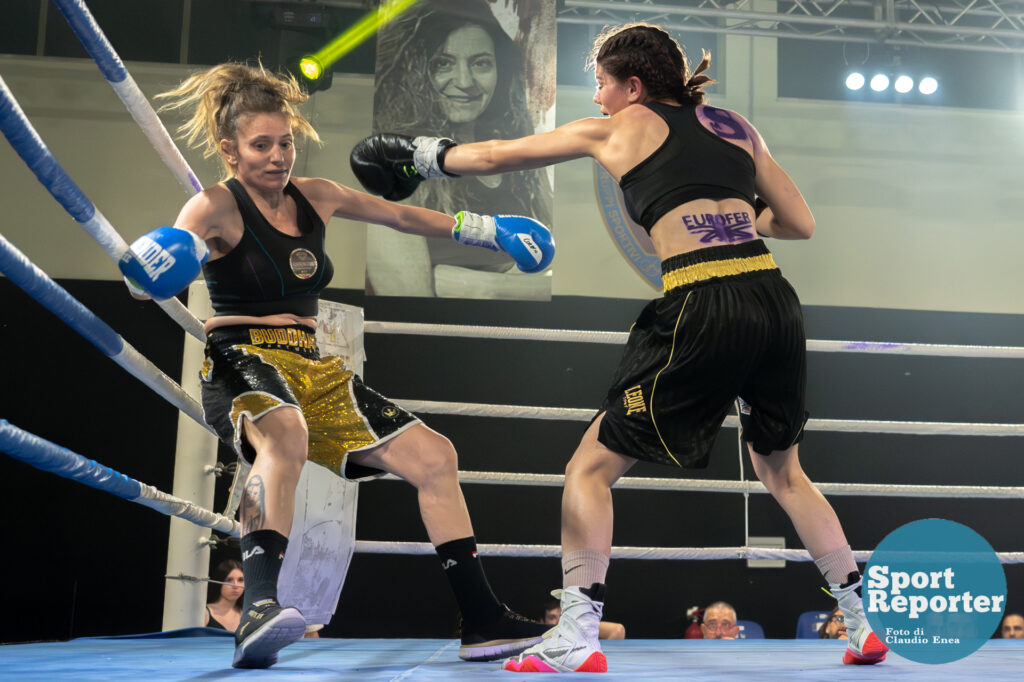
288 441
780 480
584 467
438 459
296 448
574 470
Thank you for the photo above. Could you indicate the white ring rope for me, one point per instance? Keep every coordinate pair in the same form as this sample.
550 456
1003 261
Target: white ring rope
555 551
583 336
115 246
723 486
841 425
197 579
183 509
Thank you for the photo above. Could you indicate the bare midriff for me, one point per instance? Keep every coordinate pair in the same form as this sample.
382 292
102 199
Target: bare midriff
280 320
702 223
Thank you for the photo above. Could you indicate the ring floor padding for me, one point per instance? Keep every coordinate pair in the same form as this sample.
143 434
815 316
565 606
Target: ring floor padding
209 658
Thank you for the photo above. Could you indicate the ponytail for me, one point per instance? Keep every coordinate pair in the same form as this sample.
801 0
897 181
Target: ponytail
694 86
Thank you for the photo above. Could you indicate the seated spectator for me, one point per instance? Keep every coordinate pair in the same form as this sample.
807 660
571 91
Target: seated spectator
720 622
605 630
834 626
224 602
1012 626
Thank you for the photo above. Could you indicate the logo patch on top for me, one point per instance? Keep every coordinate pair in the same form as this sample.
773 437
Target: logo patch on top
303 263
633 241
389 411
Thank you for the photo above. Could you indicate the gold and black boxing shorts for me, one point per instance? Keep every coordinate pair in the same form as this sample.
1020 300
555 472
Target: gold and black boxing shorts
250 371
728 326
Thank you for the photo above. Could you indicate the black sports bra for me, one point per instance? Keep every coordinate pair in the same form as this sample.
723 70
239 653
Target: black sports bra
692 163
270 272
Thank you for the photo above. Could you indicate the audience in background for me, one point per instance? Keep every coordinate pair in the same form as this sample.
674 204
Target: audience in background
1012 626
606 630
224 602
720 622
834 626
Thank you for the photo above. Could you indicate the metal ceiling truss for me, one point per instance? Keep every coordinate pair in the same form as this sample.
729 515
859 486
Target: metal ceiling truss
977 25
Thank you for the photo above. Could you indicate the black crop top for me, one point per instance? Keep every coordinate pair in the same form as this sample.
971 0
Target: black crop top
692 163
270 272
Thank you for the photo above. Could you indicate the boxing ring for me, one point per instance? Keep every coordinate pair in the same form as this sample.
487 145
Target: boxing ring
203 653
393 660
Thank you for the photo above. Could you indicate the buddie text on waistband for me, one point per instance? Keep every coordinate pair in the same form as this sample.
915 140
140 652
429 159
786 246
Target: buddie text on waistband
282 336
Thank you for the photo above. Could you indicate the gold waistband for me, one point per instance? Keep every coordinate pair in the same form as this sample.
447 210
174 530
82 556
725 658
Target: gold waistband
282 336
699 272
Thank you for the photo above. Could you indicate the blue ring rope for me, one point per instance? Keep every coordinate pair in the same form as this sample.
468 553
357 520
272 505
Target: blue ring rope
47 456
93 39
37 284
95 42
31 148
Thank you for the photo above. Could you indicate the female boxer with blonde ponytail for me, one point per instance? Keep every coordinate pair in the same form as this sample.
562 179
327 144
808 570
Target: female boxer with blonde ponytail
728 326
267 391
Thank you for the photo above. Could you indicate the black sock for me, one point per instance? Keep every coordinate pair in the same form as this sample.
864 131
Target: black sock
262 556
473 593
852 578
596 592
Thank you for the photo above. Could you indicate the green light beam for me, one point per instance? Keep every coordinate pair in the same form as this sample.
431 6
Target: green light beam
314 65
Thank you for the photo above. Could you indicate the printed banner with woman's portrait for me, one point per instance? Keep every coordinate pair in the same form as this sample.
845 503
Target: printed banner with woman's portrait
470 70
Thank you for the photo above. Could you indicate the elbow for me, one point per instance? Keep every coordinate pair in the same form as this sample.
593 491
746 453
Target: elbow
485 158
487 162
807 229
802 225
402 219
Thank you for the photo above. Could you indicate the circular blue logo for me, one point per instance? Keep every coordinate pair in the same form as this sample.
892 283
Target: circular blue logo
633 241
934 591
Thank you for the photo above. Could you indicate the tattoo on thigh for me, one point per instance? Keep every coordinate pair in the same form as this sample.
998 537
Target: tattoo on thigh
254 505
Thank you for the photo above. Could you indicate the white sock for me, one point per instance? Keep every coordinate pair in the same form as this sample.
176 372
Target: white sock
583 568
837 566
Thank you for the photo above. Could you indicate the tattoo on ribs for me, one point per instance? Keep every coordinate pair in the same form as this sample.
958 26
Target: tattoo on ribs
254 505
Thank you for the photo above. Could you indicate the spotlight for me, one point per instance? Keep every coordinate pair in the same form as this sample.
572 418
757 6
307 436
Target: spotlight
314 71
928 85
855 81
879 82
311 68
311 73
903 84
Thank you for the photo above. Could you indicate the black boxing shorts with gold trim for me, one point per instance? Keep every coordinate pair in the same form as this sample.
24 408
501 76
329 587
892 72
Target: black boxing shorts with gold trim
250 371
728 326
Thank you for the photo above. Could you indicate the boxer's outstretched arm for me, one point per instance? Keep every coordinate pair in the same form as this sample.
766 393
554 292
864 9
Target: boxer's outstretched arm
570 141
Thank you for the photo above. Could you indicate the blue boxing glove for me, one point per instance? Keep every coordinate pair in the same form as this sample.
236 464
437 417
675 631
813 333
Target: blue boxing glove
528 242
166 261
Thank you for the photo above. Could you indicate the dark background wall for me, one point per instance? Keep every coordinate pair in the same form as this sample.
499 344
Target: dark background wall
81 562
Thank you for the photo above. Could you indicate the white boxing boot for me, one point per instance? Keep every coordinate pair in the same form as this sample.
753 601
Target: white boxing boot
864 647
570 646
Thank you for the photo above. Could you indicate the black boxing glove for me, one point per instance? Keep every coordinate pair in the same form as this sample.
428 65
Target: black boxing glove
393 165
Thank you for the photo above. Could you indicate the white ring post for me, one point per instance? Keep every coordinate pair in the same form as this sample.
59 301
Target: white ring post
196 454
